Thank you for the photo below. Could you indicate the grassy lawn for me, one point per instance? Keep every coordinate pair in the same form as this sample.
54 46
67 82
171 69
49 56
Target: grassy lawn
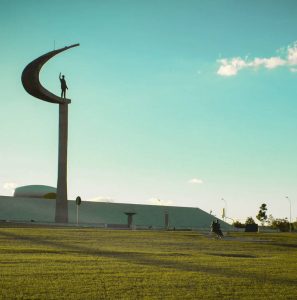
70 263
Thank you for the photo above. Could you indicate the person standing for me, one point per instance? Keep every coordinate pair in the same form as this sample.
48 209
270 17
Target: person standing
216 228
64 86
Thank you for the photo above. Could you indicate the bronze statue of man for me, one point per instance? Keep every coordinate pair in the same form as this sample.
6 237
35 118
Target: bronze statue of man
64 86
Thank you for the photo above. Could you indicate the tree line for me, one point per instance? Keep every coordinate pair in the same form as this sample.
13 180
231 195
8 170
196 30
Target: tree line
281 224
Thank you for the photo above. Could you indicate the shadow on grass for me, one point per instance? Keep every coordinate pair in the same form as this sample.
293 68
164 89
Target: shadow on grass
149 259
236 255
282 245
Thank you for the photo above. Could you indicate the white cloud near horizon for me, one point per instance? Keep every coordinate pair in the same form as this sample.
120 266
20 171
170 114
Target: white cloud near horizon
156 201
101 199
231 66
195 181
9 187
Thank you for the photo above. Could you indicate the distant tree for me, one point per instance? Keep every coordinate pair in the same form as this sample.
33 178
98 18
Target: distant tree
281 224
294 225
237 224
261 216
270 220
250 220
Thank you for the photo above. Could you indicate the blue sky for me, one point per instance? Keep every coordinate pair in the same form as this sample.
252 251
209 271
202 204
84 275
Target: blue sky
187 102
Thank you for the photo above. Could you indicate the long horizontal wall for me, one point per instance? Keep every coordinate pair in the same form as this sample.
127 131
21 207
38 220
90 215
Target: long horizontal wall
106 214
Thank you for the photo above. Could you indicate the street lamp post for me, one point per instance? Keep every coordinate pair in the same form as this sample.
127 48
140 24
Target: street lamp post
225 209
290 213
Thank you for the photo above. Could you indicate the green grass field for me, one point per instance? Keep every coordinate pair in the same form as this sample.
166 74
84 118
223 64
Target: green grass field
70 263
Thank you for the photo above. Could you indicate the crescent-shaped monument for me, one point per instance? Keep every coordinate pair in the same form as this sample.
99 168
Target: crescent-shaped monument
30 78
31 83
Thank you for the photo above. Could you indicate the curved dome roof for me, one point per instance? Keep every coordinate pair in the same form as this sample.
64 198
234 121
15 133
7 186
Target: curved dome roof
34 191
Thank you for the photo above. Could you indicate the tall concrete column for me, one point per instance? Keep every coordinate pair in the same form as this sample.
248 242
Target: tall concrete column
62 201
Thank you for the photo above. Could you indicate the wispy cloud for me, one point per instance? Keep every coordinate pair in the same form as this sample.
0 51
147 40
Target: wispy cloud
101 199
231 66
157 201
195 181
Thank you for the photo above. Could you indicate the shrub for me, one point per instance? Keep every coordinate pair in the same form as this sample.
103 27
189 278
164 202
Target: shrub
50 196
